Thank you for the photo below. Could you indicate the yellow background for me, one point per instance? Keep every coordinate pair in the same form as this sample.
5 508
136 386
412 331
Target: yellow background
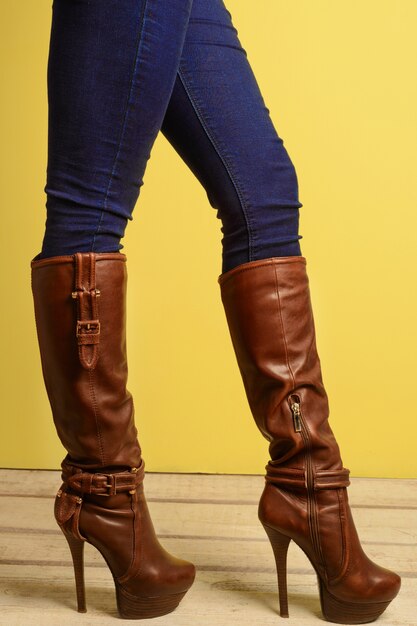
339 80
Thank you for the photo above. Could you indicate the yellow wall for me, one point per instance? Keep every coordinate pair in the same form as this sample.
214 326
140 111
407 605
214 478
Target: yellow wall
339 79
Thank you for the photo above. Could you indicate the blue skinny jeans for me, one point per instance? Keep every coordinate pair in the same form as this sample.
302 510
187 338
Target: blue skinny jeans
120 71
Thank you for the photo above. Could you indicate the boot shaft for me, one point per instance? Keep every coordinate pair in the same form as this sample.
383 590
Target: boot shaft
80 311
269 314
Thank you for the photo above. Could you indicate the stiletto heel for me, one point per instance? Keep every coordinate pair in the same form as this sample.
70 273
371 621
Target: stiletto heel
333 609
280 543
77 553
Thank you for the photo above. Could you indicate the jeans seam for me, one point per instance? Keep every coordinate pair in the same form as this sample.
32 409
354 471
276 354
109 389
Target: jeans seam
200 20
223 160
125 115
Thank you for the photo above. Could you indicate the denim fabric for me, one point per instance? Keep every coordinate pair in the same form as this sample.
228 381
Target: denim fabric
119 72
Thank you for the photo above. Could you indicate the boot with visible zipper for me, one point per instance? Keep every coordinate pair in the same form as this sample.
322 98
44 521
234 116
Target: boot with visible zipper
269 314
80 312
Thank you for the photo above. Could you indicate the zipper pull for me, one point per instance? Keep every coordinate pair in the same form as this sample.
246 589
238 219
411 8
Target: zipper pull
296 414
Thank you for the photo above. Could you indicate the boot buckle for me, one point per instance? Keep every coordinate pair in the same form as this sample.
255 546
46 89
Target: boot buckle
110 485
88 327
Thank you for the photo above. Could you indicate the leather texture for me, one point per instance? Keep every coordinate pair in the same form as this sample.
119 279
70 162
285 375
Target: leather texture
80 311
269 314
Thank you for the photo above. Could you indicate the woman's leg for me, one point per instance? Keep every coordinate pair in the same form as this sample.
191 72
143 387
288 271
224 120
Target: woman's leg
111 70
218 122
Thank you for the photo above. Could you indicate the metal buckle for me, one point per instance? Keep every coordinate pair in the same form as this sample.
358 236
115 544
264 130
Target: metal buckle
110 485
75 294
88 327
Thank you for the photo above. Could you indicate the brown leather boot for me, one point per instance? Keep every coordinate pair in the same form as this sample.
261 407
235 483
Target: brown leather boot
269 314
80 309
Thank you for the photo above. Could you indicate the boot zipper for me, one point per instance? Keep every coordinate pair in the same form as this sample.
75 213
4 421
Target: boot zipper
300 426
296 412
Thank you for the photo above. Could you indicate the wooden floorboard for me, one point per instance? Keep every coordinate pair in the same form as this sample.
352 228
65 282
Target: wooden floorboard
210 520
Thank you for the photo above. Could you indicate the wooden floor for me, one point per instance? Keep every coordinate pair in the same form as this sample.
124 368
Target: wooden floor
210 520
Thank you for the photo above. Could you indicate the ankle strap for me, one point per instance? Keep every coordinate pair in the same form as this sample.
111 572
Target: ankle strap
101 484
297 478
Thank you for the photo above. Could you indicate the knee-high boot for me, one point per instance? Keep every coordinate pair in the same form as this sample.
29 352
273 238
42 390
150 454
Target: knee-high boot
80 311
269 314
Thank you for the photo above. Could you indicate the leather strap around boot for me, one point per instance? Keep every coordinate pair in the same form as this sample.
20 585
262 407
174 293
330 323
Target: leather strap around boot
88 324
101 484
297 478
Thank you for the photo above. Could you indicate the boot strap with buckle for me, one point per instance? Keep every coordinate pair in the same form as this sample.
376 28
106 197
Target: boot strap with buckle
102 484
88 323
